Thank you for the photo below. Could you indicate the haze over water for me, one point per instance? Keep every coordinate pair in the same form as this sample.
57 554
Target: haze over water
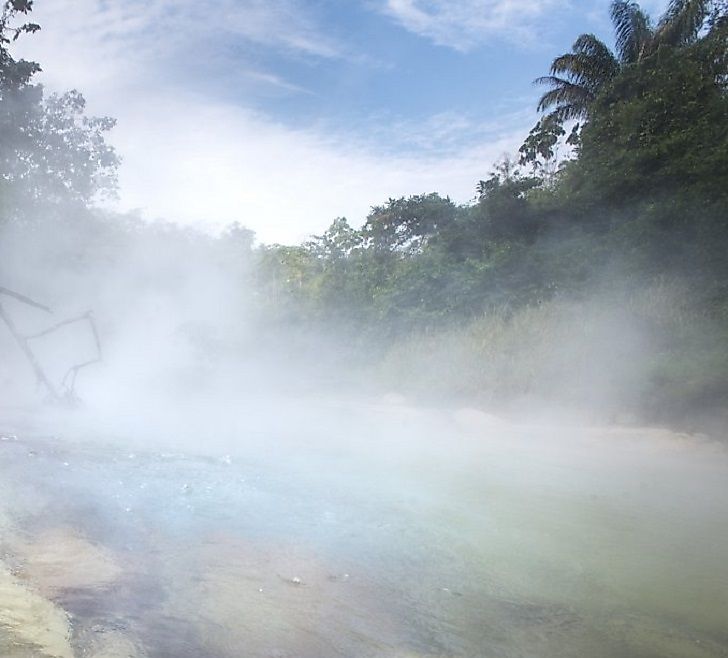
383 530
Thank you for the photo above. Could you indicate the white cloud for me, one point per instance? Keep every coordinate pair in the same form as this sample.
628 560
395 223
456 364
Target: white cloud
464 24
234 165
191 157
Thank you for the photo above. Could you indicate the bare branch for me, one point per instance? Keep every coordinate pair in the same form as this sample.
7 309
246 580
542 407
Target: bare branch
24 299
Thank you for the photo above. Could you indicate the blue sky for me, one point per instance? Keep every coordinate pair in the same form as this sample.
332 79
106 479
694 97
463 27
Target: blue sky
284 114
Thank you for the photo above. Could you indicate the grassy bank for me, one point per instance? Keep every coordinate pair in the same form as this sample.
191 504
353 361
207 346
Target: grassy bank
649 354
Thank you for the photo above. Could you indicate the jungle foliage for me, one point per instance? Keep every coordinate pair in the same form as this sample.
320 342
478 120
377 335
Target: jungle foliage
640 199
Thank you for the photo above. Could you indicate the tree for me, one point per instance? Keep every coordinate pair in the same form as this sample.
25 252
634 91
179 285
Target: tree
14 73
406 224
540 150
50 150
577 78
503 211
660 129
339 241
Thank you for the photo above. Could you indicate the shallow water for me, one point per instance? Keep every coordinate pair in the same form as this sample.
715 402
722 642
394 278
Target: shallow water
406 533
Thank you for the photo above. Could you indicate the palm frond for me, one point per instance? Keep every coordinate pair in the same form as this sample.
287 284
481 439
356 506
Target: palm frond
589 44
590 63
680 25
564 93
633 30
568 112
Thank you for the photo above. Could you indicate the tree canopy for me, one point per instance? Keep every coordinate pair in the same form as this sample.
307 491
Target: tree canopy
50 150
577 78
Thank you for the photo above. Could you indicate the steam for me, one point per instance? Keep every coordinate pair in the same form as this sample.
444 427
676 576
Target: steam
185 336
350 484
188 360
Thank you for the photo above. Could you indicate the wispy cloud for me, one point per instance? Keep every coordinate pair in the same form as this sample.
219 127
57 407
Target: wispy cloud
195 156
448 134
465 24
279 23
118 41
273 81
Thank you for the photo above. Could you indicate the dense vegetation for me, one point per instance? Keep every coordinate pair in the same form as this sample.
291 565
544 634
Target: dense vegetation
600 275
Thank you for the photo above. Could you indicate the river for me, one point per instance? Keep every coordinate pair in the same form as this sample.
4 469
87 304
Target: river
369 529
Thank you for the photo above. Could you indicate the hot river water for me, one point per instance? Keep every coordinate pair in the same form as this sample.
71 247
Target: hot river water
387 532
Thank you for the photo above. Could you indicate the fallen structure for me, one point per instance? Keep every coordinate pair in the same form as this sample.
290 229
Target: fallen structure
66 391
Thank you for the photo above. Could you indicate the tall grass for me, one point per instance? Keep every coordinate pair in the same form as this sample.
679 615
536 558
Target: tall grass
642 353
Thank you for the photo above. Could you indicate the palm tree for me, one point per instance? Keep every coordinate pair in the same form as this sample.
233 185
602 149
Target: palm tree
577 77
683 22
